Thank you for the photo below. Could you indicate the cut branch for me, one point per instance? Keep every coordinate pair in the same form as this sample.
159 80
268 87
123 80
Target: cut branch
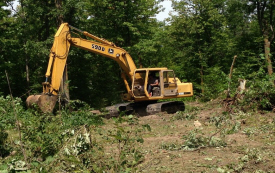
230 76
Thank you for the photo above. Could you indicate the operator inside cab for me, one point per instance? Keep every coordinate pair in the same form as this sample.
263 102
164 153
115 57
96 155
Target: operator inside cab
152 82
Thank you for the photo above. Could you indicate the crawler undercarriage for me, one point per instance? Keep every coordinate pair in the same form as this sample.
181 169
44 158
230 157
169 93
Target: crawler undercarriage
145 108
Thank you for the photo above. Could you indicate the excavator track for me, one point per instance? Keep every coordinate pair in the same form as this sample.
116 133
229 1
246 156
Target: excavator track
170 107
115 110
145 108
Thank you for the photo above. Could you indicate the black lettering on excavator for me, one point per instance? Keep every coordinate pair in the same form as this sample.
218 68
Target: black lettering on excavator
94 46
111 51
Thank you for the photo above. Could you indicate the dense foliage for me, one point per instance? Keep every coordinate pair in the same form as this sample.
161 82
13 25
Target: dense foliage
198 41
68 141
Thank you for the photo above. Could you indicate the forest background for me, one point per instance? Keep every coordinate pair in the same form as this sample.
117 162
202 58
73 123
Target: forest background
198 41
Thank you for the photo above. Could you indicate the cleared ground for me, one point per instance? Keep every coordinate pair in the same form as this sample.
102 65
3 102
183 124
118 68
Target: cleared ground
204 138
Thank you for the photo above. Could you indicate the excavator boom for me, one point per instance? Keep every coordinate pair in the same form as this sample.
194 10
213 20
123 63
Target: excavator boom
58 58
60 51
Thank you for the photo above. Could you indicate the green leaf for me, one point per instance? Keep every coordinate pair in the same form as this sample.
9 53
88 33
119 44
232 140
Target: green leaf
49 159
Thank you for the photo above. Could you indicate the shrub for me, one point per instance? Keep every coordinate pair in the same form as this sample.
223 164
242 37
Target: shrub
196 139
215 82
7 118
7 121
3 137
260 94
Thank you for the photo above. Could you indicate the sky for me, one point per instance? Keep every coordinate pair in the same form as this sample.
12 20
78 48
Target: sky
168 7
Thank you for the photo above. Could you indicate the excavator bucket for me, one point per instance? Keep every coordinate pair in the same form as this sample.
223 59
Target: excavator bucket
46 103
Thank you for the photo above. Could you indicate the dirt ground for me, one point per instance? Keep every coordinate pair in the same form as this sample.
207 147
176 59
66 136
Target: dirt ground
245 141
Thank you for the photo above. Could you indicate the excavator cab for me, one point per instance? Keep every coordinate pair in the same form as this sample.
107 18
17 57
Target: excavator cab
140 83
170 87
167 83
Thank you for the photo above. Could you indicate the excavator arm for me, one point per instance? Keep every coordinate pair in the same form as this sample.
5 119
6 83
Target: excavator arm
58 58
60 51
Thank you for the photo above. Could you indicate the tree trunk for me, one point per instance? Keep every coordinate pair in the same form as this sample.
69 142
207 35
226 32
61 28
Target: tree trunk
139 60
201 74
230 76
202 87
267 55
58 4
64 87
27 73
241 87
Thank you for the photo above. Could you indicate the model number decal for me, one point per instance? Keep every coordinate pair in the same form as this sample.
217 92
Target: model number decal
94 46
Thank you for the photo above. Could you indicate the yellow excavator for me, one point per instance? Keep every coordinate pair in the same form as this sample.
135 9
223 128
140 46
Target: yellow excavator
141 101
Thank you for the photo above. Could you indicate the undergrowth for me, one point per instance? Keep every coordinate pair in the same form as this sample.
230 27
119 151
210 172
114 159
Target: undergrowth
70 141
190 113
259 95
195 140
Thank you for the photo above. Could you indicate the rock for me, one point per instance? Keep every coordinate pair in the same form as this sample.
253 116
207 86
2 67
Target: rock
13 153
96 112
197 124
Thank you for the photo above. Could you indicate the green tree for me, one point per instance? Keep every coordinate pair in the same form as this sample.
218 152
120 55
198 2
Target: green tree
263 11
200 39
8 45
125 23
